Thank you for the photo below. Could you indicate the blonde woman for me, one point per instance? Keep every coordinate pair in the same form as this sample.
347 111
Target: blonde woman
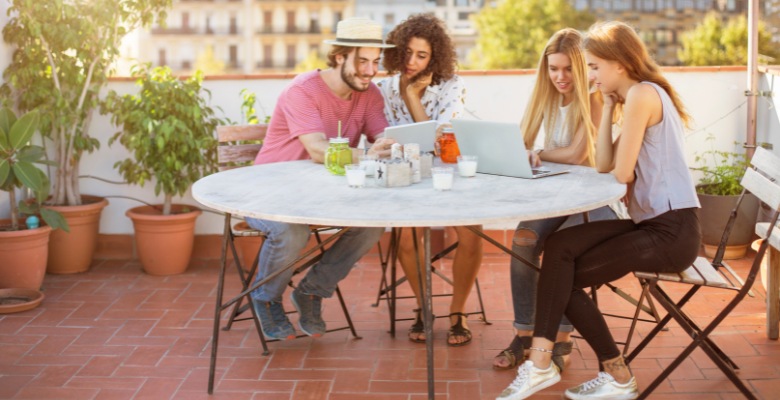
662 235
560 116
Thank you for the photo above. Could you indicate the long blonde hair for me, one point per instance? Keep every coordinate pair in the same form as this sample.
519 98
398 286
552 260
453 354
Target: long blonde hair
618 42
545 98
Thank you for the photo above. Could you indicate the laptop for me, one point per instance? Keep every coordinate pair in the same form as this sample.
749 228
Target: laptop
422 133
500 148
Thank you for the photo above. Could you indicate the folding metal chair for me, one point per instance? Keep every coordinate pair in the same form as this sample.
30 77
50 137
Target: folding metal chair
238 147
387 290
762 181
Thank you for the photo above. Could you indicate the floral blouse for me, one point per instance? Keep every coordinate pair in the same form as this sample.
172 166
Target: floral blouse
442 102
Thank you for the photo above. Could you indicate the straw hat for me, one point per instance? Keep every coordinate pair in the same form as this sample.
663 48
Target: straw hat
359 32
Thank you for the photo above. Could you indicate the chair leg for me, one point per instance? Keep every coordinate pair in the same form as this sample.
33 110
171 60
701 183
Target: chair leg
346 314
481 304
700 339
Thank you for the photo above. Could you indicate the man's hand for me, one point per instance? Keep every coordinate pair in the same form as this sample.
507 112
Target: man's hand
381 147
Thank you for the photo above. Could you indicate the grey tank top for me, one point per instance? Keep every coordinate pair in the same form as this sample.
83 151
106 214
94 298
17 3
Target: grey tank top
663 181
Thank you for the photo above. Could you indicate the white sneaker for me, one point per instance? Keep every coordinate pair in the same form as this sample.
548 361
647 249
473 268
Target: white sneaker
530 380
604 386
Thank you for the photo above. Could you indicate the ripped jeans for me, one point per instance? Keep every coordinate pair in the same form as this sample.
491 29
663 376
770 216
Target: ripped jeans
528 243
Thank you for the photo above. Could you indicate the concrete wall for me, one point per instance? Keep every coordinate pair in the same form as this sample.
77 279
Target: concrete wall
713 96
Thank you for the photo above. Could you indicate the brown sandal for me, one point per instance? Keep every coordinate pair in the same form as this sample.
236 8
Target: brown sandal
559 350
515 353
417 327
459 330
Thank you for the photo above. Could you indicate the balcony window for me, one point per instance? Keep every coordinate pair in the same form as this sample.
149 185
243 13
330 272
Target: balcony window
290 21
233 51
233 25
267 21
268 60
684 4
161 61
290 56
621 5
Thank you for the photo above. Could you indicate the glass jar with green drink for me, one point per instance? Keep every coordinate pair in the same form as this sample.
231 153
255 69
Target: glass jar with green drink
338 155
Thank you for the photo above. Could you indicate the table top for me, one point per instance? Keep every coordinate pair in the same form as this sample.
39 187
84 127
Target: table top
305 192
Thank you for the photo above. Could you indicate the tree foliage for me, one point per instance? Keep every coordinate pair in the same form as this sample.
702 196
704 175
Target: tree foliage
514 33
64 50
311 62
208 62
714 42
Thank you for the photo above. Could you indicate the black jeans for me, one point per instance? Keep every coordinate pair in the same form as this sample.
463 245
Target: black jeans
603 251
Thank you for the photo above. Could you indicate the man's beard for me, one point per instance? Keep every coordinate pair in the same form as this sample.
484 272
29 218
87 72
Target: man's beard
350 80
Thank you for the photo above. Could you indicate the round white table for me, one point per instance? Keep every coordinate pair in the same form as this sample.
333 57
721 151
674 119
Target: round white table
304 192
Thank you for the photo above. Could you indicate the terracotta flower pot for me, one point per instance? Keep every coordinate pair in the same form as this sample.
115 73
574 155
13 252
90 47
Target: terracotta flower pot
23 256
72 252
164 242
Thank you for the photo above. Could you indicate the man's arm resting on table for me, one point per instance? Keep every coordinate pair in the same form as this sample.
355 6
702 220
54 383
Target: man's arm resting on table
316 144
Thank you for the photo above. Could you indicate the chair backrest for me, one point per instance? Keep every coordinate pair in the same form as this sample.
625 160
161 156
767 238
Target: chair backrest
764 179
757 183
238 145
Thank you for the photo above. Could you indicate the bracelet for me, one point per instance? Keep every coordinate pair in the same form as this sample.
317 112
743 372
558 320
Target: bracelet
540 349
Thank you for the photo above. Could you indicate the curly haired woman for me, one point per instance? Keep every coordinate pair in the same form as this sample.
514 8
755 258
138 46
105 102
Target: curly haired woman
422 86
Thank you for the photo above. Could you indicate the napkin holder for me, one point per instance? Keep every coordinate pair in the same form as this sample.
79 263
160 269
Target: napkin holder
394 173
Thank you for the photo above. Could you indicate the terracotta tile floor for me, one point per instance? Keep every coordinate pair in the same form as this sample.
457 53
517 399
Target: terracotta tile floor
117 333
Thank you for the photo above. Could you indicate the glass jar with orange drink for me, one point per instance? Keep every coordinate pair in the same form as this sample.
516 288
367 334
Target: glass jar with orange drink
448 147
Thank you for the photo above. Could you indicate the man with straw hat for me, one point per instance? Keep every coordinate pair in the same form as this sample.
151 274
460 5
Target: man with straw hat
313 108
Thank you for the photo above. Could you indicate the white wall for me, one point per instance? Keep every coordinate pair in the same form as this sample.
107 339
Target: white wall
768 121
715 99
5 59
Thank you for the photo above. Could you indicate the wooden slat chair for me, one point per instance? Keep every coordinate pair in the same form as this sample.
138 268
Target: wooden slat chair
772 170
760 181
387 290
238 147
773 278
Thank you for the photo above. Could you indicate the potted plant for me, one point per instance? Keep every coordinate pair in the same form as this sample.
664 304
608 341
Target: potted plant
718 191
64 54
23 248
169 128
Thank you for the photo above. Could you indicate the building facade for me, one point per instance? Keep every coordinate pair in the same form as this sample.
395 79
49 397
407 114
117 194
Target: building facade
259 36
246 36
661 23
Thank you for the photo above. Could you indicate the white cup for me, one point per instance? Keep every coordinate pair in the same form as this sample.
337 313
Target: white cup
467 166
368 162
356 175
442 178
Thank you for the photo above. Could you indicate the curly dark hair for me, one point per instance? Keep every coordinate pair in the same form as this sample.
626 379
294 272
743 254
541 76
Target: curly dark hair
424 26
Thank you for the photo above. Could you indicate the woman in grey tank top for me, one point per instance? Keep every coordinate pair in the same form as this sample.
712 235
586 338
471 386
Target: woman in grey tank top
662 235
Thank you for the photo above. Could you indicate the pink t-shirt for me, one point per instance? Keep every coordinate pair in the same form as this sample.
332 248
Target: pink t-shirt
308 105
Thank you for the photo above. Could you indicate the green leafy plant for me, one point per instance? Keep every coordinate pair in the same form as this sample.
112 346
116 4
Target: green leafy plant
18 170
169 128
63 58
722 172
248 111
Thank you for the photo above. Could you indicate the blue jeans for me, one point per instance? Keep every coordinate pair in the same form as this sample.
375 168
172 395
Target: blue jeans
523 278
284 243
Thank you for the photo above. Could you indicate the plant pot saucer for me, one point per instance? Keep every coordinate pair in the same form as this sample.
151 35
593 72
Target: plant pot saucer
17 300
